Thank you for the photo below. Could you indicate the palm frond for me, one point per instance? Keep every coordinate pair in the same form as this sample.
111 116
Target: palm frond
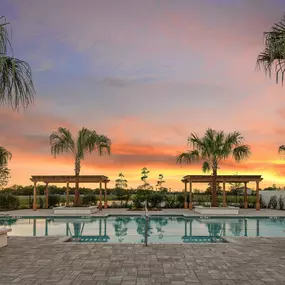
281 149
241 152
206 166
232 140
188 157
273 54
104 145
62 141
5 43
16 84
5 156
89 141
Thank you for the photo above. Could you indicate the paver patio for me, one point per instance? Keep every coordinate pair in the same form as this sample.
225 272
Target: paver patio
42 260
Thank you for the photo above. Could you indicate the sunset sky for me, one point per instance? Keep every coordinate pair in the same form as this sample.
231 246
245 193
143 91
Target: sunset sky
146 74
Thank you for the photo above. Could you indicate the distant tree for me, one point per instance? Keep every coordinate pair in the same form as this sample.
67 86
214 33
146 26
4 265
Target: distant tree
235 187
272 188
121 182
159 183
273 55
208 190
16 84
87 141
212 148
144 176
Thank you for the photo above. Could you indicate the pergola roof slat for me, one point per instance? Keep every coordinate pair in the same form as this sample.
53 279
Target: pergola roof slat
69 178
222 178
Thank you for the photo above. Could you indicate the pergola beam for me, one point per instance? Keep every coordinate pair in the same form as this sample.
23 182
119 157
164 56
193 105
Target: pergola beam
69 178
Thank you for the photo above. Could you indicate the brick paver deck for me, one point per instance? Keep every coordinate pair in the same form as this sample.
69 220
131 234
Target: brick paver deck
41 260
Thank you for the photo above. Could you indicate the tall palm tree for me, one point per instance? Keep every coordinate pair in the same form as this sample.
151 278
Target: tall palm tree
214 147
16 84
5 156
273 55
87 141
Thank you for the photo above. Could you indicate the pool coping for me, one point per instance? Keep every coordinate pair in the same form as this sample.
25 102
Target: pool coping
138 215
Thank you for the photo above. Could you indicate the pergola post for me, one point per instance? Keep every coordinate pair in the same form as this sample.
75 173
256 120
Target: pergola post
257 197
67 193
100 202
185 196
105 197
190 196
46 192
245 195
224 194
35 197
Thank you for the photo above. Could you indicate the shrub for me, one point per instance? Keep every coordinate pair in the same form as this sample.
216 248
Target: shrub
9 202
89 200
273 202
155 199
180 201
170 202
281 202
138 200
53 200
62 200
41 202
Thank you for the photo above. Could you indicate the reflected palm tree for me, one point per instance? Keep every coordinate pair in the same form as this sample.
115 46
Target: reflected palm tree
236 228
8 222
120 226
78 229
141 227
214 229
180 220
159 222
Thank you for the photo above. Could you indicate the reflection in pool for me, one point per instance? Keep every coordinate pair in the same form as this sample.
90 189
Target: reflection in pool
131 229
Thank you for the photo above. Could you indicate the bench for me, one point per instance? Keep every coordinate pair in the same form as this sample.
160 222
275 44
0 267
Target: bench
3 237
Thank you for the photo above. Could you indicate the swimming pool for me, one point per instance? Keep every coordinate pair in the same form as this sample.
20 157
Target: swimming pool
131 229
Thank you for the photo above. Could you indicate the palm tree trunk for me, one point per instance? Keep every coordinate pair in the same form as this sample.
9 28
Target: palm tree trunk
77 172
214 202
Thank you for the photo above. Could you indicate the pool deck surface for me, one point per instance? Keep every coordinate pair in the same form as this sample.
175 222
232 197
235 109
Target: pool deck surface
118 211
46 260
43 260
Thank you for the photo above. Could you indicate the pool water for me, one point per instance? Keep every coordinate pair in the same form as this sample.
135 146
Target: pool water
125 229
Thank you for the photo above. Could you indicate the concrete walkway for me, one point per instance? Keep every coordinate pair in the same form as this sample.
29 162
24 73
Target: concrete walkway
118 211
251 261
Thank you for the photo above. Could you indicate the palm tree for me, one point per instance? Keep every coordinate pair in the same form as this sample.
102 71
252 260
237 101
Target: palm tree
16 84
5 156
86 142
214 147
273 54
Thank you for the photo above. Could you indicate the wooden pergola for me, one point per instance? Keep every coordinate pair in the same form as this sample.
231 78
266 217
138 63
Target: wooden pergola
53 179
222 179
